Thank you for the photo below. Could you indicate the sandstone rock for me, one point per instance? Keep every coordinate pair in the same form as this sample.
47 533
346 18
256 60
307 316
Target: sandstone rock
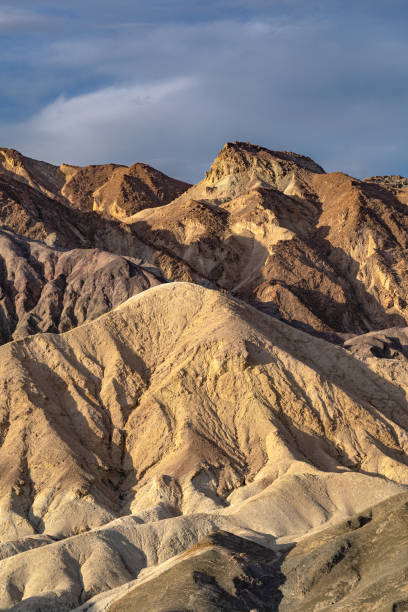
196 440
325 251
357 565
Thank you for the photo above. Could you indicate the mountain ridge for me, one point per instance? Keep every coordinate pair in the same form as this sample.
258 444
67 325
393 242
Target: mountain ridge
204 389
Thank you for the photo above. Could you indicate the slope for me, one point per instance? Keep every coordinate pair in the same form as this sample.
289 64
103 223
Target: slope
49 289
109 188
181 412
360 564
326 252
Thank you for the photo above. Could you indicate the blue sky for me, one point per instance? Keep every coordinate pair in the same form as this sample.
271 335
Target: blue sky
168 83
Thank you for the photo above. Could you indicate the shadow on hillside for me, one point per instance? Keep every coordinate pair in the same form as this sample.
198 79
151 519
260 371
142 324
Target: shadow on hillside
384 401
225 570
125 556
223 262
100 462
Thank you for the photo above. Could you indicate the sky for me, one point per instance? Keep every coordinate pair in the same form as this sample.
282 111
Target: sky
169 82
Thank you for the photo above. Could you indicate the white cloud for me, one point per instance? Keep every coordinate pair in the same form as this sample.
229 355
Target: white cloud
104 125
111 104
178 91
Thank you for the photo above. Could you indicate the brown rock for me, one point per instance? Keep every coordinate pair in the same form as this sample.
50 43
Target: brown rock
115 190
49 290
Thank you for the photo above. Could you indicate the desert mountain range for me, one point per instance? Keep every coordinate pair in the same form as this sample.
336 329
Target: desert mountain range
203 388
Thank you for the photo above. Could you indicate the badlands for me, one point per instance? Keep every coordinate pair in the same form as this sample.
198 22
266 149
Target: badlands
203 388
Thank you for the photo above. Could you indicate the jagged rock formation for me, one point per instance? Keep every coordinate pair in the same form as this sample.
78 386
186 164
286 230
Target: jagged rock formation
28 212
115 190
179 440
326 251
396 183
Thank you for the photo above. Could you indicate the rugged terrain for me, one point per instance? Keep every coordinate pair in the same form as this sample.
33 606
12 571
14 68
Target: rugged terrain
115 190
203 389
325 252
45 289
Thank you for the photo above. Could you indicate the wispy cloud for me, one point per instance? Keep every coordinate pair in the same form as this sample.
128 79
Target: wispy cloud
102 125
12 18
171 93
108 104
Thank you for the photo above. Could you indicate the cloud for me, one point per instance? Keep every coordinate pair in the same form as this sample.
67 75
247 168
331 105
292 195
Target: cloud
103 125
172 93
111 104
12 19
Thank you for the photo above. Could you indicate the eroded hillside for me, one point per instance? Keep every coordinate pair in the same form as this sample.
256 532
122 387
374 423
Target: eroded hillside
203 388
183 411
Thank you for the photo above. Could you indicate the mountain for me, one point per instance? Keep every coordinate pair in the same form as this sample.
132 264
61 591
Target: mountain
31 215
357 565
115 190
325 252
203 388
396 183
49 289
131 437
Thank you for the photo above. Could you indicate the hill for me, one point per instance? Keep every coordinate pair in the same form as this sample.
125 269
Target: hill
203 388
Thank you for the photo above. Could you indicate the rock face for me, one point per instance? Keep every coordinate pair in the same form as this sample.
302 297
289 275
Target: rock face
115 190
325 251
397 184
237 440
221 572
358 565
29 213
44 289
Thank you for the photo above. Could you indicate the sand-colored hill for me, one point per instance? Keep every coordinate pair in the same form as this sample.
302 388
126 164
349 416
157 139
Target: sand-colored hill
29 213
196 445
325 252
180 412
357 565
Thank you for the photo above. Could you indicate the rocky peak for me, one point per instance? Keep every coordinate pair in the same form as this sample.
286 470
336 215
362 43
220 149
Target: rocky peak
392 181
239 157
241 166
40 175
112 189
129 190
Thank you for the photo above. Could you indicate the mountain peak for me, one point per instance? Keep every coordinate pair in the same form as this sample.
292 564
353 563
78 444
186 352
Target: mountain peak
112 189
140 415
264 167
241 167
244 154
